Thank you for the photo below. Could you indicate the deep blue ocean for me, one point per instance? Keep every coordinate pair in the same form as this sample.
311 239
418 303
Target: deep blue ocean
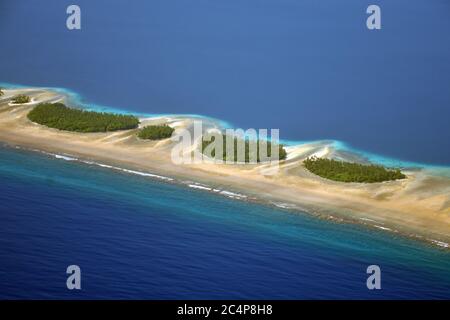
134 237
310 68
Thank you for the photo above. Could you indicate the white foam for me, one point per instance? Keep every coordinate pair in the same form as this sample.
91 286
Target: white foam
102 165
232 194
140 173
146 174
440 243
226 193
382 228
195 186
190 184
284 205
58 156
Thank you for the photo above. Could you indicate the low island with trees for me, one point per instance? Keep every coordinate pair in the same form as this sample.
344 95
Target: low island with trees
351 172
59 116
156 132
21 99
251 153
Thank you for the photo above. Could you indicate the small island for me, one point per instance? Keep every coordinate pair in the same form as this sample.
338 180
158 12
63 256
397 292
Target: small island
59 116
21 99
350 172
155 132
249 154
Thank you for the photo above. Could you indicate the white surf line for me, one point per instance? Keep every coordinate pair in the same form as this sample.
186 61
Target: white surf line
140 173
71 158
226 193
191 184
199 187
284 205
439 243
382 228
57 156
376 225
145 174
233 195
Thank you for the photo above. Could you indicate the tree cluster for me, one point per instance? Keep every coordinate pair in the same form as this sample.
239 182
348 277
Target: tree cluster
158 132
251 149
351 172
59 116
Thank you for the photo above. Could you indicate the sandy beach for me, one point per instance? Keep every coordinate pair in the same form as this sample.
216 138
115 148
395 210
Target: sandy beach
418 206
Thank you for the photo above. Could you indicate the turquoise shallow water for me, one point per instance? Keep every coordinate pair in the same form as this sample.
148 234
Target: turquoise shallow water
137 237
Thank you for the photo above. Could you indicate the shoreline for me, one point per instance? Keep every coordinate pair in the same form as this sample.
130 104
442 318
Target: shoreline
418 207
232 194
74 99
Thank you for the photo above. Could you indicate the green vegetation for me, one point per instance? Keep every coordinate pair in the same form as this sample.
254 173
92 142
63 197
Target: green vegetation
21 98
351 172
57 115
156 132
251 153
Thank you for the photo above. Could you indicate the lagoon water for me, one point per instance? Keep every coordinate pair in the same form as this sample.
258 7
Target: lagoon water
134 237
310 68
